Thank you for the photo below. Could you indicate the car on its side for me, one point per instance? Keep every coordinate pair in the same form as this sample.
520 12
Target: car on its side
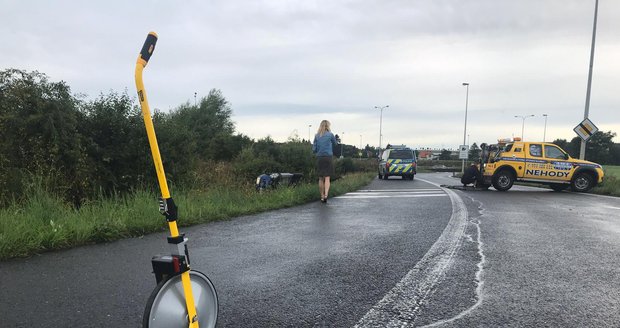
397 161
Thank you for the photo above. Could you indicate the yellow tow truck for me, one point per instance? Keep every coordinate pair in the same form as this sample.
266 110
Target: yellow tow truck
508 161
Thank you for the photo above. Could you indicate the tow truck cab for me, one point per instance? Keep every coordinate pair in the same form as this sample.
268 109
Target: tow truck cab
506 162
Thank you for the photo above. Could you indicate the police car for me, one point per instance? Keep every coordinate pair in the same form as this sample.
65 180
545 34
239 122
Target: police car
540 162
397 160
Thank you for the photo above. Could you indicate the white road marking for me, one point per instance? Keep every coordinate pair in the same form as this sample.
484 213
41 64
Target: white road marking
395 196
399 190
395 192
401 305
597 195
479 282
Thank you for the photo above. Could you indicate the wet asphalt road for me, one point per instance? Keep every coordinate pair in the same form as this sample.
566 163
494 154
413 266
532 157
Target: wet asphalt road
550 259
309 265
379 257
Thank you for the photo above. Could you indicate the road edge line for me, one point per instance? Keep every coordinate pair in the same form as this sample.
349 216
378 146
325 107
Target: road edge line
400 306
479 273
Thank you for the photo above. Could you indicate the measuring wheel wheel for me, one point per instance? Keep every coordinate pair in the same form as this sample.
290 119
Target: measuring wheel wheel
166 305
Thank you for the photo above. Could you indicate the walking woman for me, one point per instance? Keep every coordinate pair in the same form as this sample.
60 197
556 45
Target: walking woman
323 147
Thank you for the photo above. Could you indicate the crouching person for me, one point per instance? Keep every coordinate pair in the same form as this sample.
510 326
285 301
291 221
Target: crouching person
470 175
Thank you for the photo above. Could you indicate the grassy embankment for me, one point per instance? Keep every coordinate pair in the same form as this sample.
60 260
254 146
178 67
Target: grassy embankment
611 183
44 222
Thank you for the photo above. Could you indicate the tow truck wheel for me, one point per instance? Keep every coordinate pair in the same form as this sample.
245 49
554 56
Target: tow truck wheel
503 180
582 182
558 186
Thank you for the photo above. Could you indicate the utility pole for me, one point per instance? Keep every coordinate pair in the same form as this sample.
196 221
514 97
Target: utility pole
342 146
545 131
523 117
466 84
381 108
582 151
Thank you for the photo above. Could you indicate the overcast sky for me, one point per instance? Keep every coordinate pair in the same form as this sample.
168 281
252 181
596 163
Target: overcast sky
285 65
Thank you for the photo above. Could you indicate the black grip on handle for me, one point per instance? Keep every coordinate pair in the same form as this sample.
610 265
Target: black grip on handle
148 47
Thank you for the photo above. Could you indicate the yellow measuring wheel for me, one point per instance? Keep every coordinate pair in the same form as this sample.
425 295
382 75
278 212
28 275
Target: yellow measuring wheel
183 297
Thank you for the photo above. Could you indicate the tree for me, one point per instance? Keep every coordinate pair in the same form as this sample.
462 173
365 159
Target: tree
192 135
599 148
445 154
562 143
474 152
205 125
117 147
337 150
615 154
39 134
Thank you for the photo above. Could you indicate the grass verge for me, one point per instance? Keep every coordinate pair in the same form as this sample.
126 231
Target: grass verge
611 182
46 223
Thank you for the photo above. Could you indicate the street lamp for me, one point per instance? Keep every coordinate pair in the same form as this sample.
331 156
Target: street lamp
342 146
360 153
309 126
381 108
545 131
523 123
466 84
468 148
195 94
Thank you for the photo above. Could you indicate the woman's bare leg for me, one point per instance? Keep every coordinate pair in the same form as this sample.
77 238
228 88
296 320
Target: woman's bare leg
322 187
326 184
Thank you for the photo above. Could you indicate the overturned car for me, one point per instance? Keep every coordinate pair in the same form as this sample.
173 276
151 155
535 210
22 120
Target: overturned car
273 180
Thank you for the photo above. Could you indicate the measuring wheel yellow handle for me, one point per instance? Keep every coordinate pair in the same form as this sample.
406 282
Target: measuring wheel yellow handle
159 302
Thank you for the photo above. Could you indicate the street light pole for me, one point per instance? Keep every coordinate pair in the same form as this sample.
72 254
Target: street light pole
523 124
360 147
466 84
309 126
195 93
545 130
342 146
582 150
381 108
468 149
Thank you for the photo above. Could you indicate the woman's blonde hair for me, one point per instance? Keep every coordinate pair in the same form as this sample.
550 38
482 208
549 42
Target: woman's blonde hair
323 127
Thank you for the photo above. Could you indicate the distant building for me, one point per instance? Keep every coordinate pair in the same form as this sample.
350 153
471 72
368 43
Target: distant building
434 153
426 154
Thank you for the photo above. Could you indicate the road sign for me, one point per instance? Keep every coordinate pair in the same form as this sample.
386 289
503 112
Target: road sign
585 129
463 152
